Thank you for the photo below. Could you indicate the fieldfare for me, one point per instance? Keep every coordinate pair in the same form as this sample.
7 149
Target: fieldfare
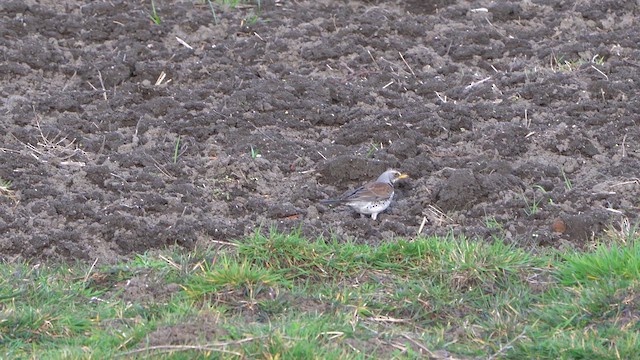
372 198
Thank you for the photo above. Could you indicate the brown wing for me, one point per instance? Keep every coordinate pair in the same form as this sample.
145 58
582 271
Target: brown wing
370 192
381 190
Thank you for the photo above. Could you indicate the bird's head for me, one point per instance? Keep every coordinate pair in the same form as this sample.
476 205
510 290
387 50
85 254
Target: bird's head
391 176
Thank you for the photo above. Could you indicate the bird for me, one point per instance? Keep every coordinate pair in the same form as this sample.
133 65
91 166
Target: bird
371 198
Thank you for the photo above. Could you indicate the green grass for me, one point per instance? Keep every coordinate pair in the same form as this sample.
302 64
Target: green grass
492 223
233 4
5 185
283 296
567 182
5 189
560 64
532 206
372 150
154 16
255 153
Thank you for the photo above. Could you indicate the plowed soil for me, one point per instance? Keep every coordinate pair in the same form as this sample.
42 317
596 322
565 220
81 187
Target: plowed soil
119 135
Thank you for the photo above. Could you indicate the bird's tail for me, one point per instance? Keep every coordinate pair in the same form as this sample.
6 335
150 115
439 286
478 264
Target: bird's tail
330 201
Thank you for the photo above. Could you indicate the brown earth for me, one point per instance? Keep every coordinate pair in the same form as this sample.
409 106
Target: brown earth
519 120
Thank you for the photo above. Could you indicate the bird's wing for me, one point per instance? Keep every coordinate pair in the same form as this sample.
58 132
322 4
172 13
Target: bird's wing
346 197
370 192
381 190
350 194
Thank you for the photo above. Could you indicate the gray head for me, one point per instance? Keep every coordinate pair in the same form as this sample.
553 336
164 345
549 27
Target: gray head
391 176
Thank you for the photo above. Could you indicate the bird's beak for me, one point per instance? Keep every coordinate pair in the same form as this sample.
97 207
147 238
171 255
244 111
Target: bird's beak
403 176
